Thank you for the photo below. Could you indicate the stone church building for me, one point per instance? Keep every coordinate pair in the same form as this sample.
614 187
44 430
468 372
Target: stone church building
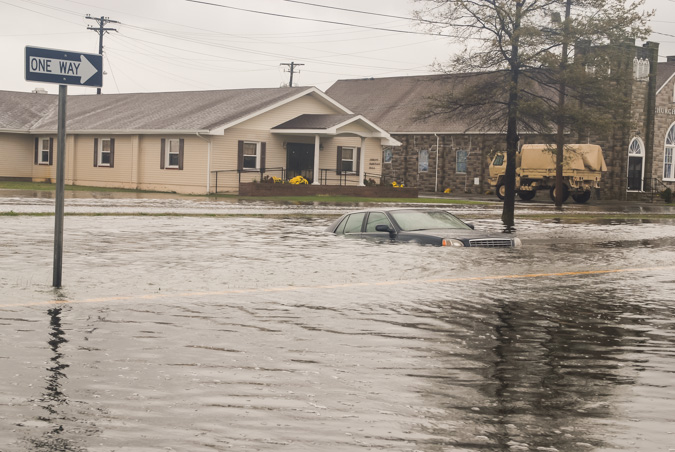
438 152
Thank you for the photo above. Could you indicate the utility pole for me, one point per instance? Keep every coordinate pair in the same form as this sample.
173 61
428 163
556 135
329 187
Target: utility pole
292 67
101 30
562 118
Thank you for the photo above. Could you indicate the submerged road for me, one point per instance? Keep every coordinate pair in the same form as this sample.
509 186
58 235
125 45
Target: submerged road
246 333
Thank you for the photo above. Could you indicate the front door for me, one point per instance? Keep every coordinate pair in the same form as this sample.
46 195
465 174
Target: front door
635 173
300 161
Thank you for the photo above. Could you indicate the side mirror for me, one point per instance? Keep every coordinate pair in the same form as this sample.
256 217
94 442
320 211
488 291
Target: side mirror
385 228
471 225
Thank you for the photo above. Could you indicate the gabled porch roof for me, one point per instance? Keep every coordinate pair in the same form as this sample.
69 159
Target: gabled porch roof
334 125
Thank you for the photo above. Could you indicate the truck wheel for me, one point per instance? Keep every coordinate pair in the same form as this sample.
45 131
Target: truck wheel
565 193
526 195
582 198
501 191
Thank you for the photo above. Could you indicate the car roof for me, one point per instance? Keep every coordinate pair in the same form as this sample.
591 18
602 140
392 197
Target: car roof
393 209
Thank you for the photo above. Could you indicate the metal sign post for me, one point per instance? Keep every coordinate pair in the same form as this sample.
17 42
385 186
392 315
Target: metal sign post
65 68
60 187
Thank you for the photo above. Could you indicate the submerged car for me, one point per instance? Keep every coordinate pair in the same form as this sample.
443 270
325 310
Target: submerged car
423 226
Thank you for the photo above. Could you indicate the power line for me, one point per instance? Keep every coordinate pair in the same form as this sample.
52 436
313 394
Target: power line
391 30
363 12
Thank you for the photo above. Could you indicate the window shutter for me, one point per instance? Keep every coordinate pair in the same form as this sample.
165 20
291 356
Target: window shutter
181 149
263 152
162 154
37 143
95 152
51 151
240 155
357 164
338 168
112 153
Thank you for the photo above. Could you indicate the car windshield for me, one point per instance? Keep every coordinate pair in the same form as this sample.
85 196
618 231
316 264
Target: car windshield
414 220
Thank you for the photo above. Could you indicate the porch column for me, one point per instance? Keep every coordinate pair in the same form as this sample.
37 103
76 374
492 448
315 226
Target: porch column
317 146
362 161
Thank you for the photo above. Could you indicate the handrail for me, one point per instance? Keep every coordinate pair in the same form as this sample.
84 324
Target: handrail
324 179
262 172
654 185
344 178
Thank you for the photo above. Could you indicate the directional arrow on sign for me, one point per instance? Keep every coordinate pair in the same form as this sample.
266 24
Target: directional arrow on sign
84 69
63 67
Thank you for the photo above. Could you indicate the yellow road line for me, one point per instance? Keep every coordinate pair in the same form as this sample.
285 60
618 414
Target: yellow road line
340 286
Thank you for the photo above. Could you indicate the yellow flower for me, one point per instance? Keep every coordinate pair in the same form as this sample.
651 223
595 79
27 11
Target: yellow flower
297 180
447 190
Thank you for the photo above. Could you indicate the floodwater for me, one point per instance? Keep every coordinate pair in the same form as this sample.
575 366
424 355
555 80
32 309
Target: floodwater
190 333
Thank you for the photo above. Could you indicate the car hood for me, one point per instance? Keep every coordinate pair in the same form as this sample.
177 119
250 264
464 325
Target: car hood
452 233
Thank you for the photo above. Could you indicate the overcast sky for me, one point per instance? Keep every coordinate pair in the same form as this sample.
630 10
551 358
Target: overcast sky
181 45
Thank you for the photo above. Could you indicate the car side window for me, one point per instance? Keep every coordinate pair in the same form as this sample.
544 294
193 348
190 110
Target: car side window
375 219
354 223
341 227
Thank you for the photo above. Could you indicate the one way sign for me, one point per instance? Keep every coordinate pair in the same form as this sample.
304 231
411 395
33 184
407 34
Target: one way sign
64 67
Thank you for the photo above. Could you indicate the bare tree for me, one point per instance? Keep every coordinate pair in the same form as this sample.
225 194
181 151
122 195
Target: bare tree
522 59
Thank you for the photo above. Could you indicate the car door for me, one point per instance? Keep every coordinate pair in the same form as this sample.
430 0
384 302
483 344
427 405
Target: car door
372 221
352 225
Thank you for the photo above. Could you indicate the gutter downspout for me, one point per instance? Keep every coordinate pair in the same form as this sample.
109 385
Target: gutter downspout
208 164
466 175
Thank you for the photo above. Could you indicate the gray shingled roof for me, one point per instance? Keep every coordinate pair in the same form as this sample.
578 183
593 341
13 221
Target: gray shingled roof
394 102
663 73
179 111
21 111
315 122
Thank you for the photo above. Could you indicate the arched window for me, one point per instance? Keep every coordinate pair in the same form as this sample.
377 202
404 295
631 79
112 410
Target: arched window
636 147
636 156
669 151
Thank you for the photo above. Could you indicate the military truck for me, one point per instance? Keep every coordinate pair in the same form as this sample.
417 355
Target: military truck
583 165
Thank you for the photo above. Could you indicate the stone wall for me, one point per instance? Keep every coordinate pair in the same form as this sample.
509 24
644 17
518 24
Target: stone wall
404 167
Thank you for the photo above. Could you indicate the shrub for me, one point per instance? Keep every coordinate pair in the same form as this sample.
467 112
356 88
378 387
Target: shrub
667 195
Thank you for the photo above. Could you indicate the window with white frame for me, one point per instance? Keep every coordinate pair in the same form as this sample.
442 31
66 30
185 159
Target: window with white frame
636 147
104 152
669 150
251 156
44 151
173 153
171 156
348 160
461 160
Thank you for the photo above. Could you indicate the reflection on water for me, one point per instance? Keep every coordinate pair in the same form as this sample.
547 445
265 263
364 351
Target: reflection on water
53 396
207 334
54 436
